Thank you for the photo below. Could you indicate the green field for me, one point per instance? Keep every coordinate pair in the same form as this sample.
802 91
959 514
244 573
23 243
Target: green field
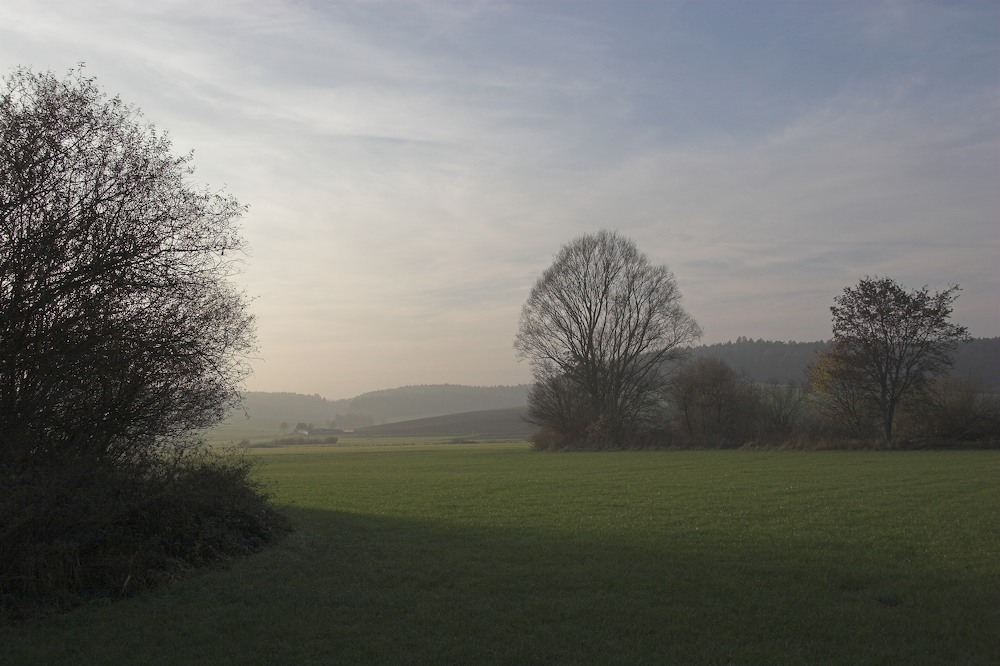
414 552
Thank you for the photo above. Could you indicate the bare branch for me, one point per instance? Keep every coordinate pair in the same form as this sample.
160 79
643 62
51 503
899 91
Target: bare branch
118 327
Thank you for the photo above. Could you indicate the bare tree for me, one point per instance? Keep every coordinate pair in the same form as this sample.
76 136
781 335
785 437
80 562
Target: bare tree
118 326
598 328
781 407
716 407
559 405
836 389
888 342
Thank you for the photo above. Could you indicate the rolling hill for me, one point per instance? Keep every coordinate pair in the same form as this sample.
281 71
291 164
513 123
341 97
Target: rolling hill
505 423
267 411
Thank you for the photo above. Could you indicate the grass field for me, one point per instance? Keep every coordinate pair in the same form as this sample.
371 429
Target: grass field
413 552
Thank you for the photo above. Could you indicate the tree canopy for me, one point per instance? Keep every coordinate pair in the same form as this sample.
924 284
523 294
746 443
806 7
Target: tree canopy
118 325
888 342
598 328
121 337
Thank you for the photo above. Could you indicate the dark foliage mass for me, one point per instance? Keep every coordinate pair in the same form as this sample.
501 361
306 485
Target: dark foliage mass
802 395
882 381
73 532
889 344
713 406
117 324
120 336
606 336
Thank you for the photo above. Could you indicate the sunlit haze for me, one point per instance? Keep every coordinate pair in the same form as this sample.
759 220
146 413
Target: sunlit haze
412 167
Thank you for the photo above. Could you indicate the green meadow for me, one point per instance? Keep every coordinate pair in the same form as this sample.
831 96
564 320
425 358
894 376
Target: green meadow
412 551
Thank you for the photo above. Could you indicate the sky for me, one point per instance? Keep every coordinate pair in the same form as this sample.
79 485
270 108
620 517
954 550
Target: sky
411 168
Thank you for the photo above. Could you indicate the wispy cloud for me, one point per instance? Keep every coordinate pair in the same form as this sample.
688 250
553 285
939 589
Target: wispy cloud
413 167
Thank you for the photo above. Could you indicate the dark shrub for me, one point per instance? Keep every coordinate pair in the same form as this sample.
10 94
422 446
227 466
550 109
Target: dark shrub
87 530
952 411
715 407
547 439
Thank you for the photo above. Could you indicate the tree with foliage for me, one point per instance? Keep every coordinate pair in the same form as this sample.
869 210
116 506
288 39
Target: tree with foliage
599 328
888 343
118 326
120 337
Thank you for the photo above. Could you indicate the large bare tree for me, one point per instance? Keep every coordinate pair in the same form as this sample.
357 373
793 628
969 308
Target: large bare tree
118 325
889 342
599 328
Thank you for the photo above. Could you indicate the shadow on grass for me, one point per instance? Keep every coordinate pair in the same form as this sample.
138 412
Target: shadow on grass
349 588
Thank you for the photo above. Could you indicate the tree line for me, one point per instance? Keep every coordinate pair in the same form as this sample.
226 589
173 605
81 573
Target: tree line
760 361
781 362
609 345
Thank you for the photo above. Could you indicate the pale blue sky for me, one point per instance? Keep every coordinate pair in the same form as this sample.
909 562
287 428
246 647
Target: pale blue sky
412 167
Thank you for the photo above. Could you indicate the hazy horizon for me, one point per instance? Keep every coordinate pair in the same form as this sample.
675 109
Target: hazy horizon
412 168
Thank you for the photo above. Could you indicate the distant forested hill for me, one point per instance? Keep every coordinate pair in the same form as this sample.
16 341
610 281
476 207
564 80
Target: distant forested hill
417 402
785 362
270 410
980 358
767 361
492 423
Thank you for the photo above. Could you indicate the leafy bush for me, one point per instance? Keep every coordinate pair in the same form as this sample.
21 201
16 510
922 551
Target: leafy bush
120 331
82 530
